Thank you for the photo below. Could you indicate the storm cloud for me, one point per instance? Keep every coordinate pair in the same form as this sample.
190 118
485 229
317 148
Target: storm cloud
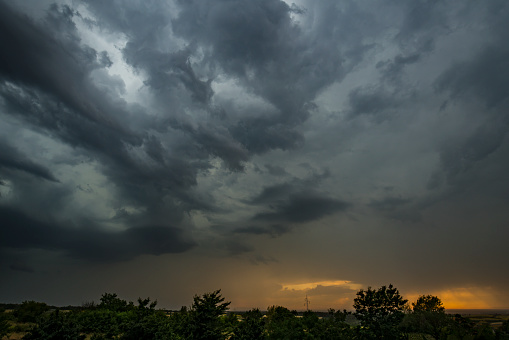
191 139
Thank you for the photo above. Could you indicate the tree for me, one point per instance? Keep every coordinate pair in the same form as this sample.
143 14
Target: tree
180 322
503 331
335 326
4 324
204 316
380 312
114 303
283 324
55 326
428 303
428 317
144 322
103 323
30 311
251 326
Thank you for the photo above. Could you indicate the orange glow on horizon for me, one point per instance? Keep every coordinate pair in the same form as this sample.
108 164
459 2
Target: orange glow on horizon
464 298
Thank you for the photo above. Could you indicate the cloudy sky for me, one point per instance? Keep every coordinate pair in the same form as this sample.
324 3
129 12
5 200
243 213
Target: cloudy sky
271 149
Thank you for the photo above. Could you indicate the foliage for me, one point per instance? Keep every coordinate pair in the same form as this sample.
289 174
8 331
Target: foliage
229 323
428 317
55 326
251 327
180 323
4 324
459 328
144 322
30 311
105 323
283 324
113 303
335 326
310 322
484 332
428 303
204 316
503 331
380 312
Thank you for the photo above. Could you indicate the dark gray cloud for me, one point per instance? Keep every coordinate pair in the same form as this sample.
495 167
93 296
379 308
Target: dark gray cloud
480 80
460 158
392 70
200 130
389 203
273 230
22 267
276 170
295 201
49 56
372 101
10 158
485 77
302 208
88 242
398 208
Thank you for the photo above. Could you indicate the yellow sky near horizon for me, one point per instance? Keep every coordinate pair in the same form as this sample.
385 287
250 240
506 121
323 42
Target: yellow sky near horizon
339 294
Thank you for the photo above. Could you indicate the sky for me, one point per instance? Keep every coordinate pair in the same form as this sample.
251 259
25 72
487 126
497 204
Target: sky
271 149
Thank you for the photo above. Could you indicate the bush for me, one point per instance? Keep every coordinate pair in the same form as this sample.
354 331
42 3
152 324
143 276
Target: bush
30 311
251 327
4 324
58 326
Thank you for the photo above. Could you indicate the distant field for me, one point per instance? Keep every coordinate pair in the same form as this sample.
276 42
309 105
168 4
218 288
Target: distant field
493 317
467 312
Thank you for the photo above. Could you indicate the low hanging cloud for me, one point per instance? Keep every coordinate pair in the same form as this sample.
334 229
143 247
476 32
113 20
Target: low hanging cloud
301 208
21 231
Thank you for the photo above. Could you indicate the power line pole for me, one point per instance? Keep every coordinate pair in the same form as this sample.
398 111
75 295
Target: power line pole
306 303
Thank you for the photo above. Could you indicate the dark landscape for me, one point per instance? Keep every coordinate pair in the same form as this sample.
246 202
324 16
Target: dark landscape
378 314
291 153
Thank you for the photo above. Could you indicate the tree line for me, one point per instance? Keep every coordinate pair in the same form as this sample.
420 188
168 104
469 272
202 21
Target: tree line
379 314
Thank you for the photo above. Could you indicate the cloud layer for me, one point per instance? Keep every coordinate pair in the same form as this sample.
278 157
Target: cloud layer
371 137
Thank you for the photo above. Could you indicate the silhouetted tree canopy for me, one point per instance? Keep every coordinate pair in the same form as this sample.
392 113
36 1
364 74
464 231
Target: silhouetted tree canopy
30 311
380 312
428 317
204 316
428 303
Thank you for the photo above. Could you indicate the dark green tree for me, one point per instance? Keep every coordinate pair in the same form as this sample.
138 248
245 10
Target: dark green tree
484 331
335 326
251 327
111 301
30 311
103 323
380 312
503 331
459 327
57 326
180 323
229 323
428 303
428 317
283 324
310 322
4 324
144 322
204 316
